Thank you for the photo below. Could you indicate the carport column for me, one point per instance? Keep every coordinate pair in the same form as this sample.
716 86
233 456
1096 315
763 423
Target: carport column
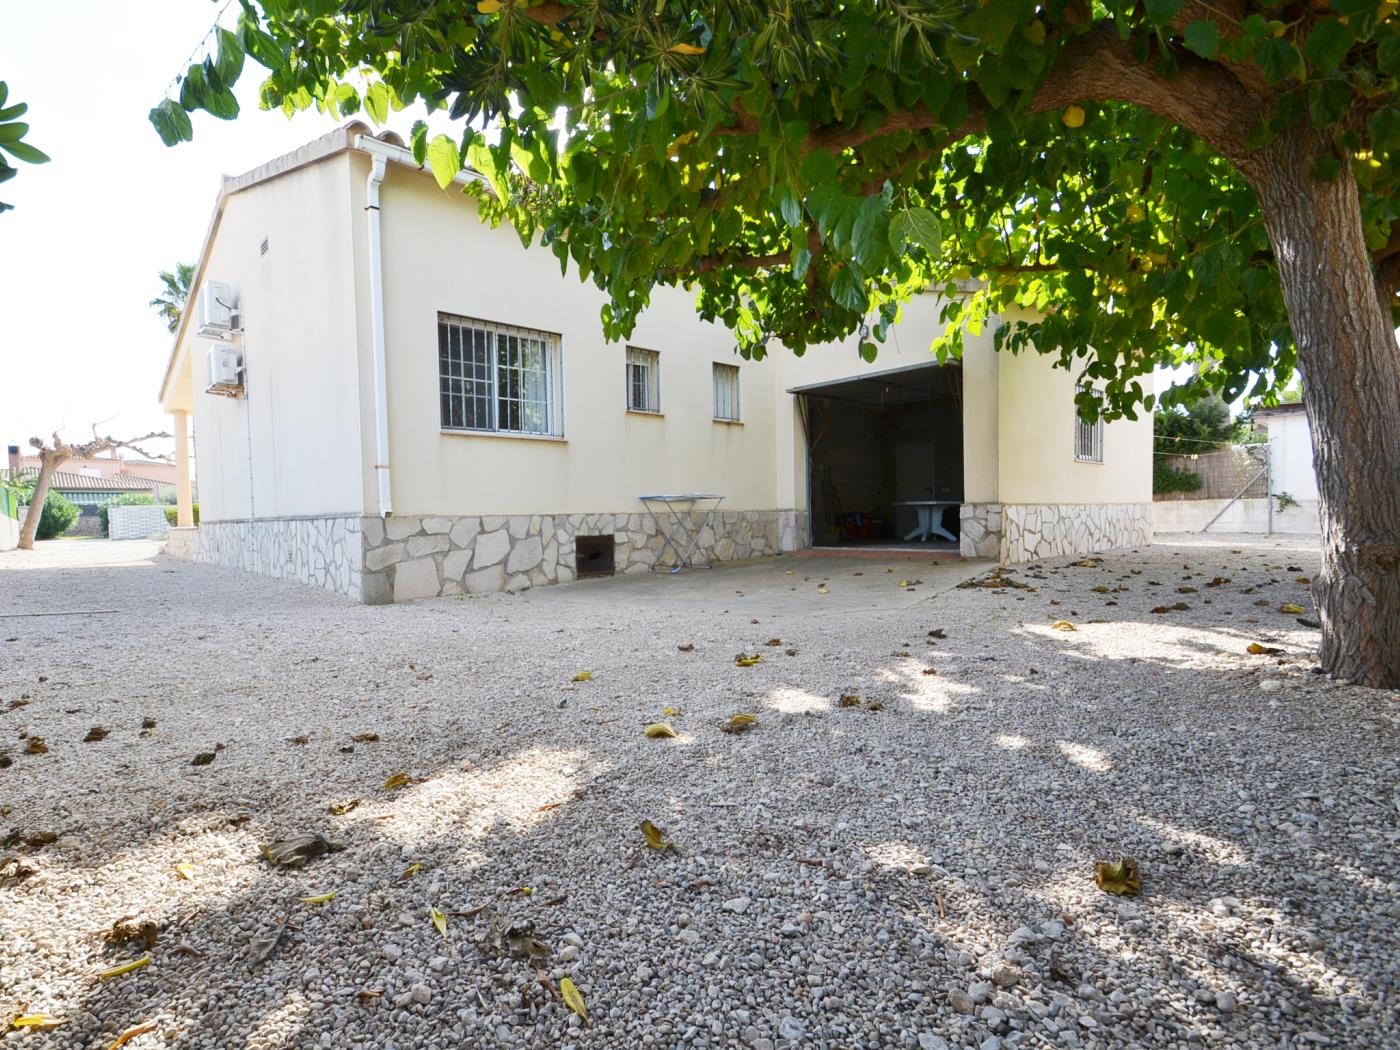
184 506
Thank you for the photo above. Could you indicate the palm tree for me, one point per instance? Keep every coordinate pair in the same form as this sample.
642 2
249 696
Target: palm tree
170 304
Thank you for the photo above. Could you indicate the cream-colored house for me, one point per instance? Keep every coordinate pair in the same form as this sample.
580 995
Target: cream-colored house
393 400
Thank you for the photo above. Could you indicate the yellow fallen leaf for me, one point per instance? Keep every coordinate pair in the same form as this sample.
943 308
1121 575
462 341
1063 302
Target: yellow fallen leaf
132 1032
573 998
747 661
410 871
185 869
40 1021
1303 579
849 700
686 49
582 676
396 781
671 712
1122 878
322 898
1073 117
1292 608
739 723
1063 625
439 920
339 809
657 730
1100 589
490 7
125 968
656 838
822 589
1255 649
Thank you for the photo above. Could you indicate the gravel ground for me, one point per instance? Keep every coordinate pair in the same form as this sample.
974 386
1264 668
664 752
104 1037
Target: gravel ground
916 870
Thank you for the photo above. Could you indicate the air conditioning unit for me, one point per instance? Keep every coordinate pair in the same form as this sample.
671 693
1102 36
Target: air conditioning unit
225 371
218 310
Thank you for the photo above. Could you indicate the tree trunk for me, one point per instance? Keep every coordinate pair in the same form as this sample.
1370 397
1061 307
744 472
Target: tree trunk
36 504
1350 362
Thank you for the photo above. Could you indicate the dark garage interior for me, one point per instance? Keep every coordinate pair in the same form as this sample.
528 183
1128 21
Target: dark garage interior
879 441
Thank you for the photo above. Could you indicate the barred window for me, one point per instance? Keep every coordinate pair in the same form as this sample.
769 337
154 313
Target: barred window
726 379
498 378
1088 437
643 380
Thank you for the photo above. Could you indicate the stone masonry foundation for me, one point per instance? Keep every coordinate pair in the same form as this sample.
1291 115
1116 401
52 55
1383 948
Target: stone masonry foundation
1021 532
379 560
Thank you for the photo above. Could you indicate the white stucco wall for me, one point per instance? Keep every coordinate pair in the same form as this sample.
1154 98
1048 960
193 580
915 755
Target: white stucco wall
1035 438
9 532
1291 452
291 447
439 257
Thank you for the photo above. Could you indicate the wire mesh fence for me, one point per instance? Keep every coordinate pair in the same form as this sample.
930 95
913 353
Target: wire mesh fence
1222 473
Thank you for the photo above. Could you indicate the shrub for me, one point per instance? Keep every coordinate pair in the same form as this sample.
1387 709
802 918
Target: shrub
58 514
172 514
126 499
1172 479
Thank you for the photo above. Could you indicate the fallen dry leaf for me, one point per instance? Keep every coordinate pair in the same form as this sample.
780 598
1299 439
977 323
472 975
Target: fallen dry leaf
439 920
320 898
202 759
297 850
688 647
1178 607
744 660
95 734
1063 625
396 781
185 870
36 1020
1255 649
670 712
849 700
132 1032
300 741
582 676
339 809
573 998
774 642
930 670
1292 609
1122 878
656 838
413 869
365 738
35 746
1218 581
124 968
659 730
739 723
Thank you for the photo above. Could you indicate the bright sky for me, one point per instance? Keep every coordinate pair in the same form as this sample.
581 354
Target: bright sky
91 229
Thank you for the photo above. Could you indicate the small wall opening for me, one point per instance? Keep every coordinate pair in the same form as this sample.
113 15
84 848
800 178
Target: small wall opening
593 556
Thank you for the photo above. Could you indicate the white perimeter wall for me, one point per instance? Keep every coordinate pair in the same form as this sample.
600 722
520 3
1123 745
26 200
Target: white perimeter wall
292 446
9 532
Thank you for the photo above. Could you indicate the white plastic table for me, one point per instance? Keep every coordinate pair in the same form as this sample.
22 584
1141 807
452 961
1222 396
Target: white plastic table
930 515
681 535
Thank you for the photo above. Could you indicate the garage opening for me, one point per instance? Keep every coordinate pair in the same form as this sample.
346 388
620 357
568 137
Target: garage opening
885 458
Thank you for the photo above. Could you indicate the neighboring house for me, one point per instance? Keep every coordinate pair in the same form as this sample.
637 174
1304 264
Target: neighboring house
88 492
105 466
394 400
1290 451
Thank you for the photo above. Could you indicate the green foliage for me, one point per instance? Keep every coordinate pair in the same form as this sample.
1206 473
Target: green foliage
1203 427
126 499
807 168
59 513
1167 478
172 514
175 293
1285 501
12 133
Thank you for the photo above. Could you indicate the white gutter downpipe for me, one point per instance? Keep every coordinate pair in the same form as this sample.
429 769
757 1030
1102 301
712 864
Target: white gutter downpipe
378 163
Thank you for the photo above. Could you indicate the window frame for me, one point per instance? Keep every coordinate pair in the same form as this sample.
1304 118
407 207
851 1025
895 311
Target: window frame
476 387
1092 431
737 397
652 385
